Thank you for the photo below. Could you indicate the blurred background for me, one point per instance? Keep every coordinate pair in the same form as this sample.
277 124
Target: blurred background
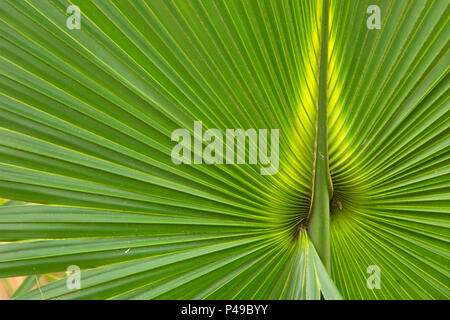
9 286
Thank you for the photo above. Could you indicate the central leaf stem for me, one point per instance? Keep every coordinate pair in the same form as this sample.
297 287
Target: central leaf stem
319 216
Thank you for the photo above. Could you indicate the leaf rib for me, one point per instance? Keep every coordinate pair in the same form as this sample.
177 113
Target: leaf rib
319 216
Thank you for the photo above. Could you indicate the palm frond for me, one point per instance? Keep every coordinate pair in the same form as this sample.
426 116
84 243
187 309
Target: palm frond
86 118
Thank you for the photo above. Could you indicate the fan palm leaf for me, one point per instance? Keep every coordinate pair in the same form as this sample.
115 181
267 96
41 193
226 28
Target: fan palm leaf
86 117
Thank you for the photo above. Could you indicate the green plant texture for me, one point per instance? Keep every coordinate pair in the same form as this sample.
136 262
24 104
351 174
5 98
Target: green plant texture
86 118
